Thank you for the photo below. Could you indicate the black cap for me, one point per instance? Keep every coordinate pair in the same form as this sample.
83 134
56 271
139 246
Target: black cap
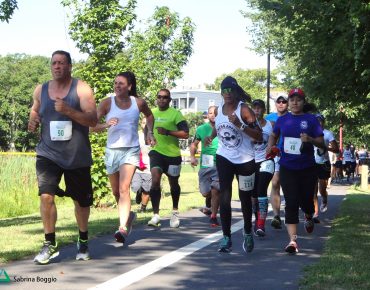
259 102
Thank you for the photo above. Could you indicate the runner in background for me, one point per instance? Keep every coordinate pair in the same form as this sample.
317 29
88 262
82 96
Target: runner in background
165 157
208 178
142 179
281 105
323 167
265 169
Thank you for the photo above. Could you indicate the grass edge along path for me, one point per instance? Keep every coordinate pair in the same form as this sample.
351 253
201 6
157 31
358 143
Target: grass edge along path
345 263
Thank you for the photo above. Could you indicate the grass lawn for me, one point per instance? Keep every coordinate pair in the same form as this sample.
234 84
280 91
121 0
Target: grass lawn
345 263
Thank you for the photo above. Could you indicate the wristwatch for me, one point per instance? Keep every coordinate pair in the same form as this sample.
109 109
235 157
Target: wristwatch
243 126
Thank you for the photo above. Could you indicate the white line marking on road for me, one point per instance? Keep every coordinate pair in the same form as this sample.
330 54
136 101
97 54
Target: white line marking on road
150 268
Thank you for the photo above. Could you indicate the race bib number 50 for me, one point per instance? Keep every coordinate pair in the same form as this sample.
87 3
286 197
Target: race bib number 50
60 130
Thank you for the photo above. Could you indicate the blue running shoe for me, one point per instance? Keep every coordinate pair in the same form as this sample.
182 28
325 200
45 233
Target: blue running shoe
225 245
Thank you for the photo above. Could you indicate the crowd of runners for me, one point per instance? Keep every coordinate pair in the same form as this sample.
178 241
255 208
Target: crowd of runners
290 149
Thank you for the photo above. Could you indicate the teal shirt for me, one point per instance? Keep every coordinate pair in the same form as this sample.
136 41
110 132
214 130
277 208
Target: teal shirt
201 133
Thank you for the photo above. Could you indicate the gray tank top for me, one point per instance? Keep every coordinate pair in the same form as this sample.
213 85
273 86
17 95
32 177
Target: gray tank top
70 154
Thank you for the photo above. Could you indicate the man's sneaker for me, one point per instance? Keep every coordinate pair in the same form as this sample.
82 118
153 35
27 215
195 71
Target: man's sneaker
155 221
47 252
323 207
130 221
248 242
225 245
259 232
120 235
82 251
138 196
292 247
205 210
309 224
316 219
276 222
175 221
214 222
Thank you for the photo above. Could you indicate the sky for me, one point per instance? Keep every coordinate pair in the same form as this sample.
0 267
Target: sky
220 46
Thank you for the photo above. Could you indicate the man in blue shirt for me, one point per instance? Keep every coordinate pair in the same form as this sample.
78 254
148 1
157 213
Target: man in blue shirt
281 105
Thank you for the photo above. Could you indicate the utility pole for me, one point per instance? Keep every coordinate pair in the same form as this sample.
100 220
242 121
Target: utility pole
268 82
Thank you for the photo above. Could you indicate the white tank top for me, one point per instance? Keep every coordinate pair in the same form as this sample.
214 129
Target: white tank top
125 133
233 144
260 147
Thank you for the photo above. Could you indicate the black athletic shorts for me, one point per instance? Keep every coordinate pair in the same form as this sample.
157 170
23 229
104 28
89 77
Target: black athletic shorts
163 162
77 181
323 170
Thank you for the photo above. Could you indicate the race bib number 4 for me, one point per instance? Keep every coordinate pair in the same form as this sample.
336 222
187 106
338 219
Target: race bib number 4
174 170
246 183
292 145
60 130
207 160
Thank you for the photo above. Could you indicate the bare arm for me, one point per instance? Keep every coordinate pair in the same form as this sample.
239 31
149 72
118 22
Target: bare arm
248 117
181 133
34 118
87 116
102 111
144 108
193 151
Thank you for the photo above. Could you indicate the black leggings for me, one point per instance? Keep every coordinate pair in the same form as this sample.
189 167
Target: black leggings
262 179
226 172
298 187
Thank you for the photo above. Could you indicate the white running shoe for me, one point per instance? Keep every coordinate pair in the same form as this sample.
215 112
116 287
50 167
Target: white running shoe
155 221
175 221
323 207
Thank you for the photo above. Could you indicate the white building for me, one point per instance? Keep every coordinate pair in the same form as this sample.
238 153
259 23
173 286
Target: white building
191 101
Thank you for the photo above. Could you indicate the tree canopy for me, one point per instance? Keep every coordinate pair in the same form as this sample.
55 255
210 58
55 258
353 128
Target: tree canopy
7 8
324 46
19 74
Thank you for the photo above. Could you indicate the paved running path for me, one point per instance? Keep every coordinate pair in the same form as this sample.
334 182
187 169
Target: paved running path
267 267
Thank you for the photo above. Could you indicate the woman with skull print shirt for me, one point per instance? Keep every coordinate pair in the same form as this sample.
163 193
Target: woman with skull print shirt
236 128
300 132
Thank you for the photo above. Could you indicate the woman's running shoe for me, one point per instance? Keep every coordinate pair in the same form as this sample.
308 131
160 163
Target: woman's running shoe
292 248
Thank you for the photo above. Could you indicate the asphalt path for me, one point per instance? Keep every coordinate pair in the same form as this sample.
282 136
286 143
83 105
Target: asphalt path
184 258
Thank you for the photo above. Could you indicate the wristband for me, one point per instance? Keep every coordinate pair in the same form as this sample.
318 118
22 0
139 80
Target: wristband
242 127
167 132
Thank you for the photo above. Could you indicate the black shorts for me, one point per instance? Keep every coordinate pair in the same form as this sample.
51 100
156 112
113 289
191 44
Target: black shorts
323 170
77 181
338 164
158 160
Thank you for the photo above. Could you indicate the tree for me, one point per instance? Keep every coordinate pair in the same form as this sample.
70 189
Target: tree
7 8
253 81
324 45
104 30
19 75
158 54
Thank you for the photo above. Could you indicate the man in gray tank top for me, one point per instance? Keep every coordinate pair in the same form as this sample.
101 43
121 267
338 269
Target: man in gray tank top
64 108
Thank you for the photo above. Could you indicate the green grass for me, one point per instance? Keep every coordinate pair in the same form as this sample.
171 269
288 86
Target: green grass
18 186
345 263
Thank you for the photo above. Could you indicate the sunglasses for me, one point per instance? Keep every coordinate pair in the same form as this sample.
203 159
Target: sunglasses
226 91
282 102
163 97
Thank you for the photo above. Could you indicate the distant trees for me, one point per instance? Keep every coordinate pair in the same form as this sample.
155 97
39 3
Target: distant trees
19 74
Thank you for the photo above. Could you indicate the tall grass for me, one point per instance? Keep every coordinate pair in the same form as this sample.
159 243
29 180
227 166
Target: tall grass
18 186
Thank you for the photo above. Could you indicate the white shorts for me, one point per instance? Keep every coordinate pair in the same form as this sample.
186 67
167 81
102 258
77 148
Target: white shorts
116 157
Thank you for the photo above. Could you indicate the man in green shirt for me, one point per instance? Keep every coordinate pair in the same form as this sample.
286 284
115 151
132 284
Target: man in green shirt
209 185
165 157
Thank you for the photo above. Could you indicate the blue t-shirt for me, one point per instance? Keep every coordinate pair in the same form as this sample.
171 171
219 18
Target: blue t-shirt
273 117
290 127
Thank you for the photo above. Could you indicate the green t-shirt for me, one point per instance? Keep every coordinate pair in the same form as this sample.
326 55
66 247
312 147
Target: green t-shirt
167 145
206 160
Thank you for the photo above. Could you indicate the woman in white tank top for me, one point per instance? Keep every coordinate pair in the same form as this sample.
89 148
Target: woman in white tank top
236 128
122 156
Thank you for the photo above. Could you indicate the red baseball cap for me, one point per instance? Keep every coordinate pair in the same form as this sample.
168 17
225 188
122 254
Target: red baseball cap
296 92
